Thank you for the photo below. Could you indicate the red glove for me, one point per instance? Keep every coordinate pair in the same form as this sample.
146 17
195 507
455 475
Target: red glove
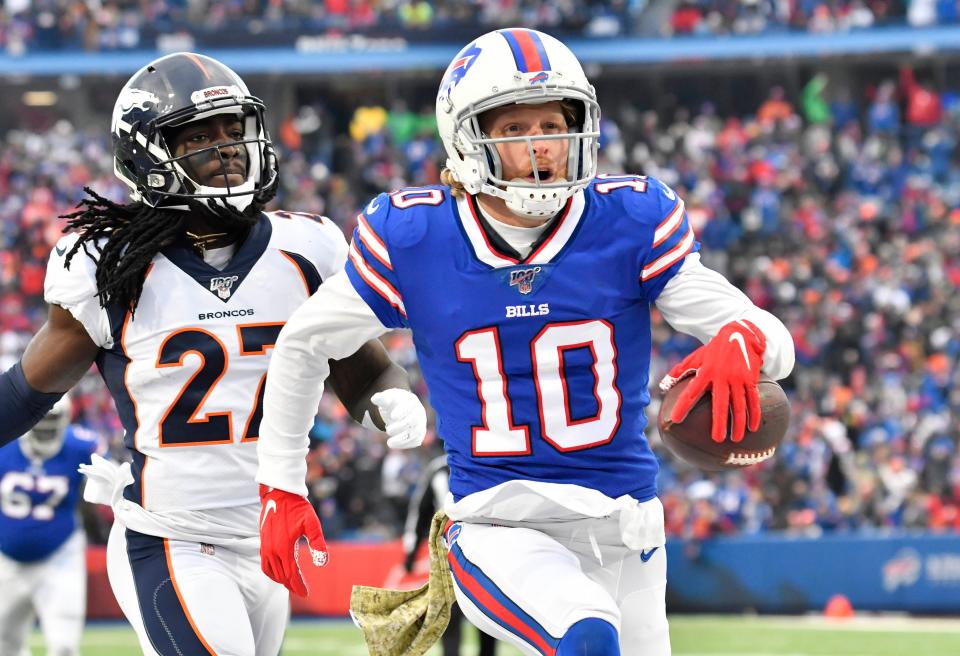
285 518
729 366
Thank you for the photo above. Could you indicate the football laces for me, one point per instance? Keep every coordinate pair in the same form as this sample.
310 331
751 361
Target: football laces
750 458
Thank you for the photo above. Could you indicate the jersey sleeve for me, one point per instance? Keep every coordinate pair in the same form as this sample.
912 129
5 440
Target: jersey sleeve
699 301
332 247
314 243
370 268
671 239
75 290
330 325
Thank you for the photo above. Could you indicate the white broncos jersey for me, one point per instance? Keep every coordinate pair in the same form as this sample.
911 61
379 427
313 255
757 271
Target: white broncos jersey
187 369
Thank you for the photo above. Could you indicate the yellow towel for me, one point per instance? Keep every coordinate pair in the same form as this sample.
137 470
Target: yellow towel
407 622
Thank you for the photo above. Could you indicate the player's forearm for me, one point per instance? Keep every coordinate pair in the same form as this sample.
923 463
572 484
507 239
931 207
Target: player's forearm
778 357
21 406
357 378
331 325
699 301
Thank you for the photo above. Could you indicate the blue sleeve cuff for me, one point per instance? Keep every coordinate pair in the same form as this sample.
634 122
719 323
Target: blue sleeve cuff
21 406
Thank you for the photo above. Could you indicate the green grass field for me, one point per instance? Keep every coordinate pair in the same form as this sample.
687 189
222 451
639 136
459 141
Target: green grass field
692 636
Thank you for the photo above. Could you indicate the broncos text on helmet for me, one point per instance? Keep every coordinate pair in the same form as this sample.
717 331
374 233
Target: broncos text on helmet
171 92
525 67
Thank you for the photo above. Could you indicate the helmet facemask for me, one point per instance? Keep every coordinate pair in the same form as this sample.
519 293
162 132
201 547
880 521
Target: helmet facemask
170 181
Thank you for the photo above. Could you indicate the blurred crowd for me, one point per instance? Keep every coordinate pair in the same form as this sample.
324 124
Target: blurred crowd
838 213
92 25
711 17
37 25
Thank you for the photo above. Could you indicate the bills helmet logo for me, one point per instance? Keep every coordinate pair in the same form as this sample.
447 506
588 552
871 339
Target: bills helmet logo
522 279
223 285
459 68
540 77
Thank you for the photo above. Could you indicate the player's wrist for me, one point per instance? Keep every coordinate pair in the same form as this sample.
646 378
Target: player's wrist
21 406
267 491
287 474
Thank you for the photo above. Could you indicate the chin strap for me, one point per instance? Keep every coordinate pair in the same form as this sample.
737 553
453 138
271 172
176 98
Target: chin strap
528 201
519 202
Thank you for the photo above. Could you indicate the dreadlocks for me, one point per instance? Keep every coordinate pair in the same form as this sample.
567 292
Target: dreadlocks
134 234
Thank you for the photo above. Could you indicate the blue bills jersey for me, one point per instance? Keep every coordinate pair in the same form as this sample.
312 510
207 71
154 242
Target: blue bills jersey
537 367
38 499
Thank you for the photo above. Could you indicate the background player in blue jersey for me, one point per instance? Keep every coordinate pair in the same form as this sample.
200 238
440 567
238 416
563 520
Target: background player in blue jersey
43 569
528 282
178 297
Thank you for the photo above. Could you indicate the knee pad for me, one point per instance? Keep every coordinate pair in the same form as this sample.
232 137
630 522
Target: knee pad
590 637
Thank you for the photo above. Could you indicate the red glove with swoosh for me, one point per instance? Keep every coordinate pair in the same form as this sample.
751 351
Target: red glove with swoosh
729 366
285 518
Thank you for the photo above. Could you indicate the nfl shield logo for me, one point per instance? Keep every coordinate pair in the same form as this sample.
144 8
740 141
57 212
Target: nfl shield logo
223 285
522 279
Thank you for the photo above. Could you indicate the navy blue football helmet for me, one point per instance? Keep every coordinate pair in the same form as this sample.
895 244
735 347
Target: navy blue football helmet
170 92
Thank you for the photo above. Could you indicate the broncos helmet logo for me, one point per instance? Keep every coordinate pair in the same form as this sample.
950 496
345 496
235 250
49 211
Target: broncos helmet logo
459 68
136 98
131 99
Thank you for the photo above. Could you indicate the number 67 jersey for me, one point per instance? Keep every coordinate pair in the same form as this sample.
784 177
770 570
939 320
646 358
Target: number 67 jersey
187 368
537 367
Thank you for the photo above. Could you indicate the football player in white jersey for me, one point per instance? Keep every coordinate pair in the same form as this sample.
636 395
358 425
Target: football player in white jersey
179 297
528 283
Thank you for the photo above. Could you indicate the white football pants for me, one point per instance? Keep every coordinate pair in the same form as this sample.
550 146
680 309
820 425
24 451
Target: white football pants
527 585
53 589
190 599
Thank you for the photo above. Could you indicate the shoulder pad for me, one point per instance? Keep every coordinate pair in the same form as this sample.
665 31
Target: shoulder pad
641 198
70 286
315 237
410 197
401 218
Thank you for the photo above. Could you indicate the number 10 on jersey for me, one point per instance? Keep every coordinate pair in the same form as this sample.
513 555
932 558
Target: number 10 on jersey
498 435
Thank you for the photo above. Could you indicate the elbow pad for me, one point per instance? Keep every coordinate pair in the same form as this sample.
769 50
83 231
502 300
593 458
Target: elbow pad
21 406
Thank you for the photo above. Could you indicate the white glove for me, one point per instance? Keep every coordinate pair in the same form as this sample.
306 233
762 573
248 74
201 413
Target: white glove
105 480
404 417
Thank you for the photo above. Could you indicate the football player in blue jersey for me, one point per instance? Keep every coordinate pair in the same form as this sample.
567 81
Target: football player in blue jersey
178 297
43 571
528 282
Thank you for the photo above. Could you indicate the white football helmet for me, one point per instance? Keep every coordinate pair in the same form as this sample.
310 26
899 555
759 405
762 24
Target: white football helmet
44 440
525 67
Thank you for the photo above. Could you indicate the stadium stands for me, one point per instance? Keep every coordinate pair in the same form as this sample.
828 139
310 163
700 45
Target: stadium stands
833 206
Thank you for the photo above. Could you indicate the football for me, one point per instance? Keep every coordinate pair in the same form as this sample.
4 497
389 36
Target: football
690 439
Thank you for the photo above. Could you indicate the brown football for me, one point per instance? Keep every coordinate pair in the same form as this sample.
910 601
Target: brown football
690 439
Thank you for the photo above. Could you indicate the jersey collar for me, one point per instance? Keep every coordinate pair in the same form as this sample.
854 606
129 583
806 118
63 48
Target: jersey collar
490 249
223 283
